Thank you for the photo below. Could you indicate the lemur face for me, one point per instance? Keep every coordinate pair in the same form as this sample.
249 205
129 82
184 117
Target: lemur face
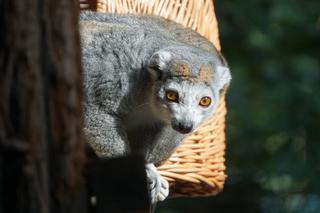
184 103
186 87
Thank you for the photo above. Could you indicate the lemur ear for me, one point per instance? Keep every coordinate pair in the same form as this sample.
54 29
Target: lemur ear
159 64
224 77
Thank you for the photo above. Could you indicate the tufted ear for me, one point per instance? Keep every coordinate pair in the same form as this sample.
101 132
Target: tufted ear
159 64
224 77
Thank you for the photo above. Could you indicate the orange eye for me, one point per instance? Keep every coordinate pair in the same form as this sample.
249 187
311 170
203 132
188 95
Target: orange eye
205 101
172 96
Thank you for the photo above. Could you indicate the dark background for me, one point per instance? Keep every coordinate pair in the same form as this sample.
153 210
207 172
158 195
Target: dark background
273 122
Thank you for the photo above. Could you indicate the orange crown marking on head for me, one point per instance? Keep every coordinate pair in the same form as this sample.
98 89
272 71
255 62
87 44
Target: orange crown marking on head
205 73
181 69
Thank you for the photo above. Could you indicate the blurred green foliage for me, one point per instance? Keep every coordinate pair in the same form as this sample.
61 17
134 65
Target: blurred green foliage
273 123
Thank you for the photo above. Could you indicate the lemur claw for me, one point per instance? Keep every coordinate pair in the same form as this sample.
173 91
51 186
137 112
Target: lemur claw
158 187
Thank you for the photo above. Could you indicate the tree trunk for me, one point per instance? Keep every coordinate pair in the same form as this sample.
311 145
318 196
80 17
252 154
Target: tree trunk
41 142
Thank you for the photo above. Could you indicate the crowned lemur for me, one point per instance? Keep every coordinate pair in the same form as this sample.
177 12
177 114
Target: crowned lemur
148 83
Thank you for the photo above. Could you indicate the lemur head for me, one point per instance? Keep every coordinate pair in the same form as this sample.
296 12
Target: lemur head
187 84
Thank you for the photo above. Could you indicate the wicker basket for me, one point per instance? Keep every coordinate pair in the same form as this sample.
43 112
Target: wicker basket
197 166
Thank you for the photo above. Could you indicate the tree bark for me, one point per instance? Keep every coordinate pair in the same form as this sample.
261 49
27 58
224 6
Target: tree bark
41 142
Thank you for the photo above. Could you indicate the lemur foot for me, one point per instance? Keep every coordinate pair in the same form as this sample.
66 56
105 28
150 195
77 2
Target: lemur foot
159 187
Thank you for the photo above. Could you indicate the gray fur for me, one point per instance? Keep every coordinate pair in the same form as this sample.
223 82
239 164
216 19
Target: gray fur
128 62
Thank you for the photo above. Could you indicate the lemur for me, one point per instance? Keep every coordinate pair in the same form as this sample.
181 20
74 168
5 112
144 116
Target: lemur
149 82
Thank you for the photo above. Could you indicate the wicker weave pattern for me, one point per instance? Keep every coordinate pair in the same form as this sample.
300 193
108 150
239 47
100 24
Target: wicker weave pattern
197 166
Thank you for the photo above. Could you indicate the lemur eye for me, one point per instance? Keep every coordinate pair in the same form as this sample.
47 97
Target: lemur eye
205 101
172 96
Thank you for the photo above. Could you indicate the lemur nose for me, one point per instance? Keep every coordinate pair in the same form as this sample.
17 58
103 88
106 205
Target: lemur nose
185 128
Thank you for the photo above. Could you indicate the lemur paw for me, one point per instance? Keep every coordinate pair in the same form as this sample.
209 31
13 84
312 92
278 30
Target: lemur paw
158 187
